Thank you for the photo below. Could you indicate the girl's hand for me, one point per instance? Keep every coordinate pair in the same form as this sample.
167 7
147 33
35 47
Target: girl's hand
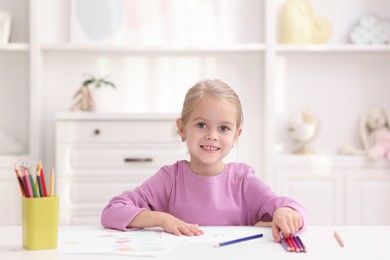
287 220
178 227
171 224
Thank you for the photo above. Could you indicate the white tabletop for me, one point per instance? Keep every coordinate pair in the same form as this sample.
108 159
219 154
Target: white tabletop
363 242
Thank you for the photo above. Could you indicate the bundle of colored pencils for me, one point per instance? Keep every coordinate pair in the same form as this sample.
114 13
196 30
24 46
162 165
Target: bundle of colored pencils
293 244
34 186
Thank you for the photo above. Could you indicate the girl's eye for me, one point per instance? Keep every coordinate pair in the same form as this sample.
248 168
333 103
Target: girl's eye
201 125
224 128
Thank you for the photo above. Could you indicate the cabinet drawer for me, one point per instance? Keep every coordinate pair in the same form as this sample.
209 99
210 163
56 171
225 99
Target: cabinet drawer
117 131
114 158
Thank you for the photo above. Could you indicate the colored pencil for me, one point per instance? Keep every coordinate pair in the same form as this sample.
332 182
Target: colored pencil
52 174
39 191
295 243
20 180
23 176
32 183
27 182
288 240
37 186
238 240
303 247
42 174
339 239
285 245
39 181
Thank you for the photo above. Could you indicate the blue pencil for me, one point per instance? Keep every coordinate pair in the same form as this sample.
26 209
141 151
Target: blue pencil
238 240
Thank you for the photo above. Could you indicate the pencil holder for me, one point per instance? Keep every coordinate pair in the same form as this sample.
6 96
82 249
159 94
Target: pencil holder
40 222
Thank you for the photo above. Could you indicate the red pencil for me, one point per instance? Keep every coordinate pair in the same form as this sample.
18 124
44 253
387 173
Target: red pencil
42 174
27 182
290 243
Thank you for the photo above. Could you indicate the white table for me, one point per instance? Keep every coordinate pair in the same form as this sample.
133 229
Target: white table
362 242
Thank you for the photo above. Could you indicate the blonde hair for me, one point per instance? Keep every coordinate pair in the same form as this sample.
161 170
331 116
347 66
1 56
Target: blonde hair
211 88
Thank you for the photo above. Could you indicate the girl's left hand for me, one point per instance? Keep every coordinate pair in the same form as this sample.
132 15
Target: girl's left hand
287 220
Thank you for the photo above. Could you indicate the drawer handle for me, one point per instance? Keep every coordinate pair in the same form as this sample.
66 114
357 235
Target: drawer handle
97 131
146 159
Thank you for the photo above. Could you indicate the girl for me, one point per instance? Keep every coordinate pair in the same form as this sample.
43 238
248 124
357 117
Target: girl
204 191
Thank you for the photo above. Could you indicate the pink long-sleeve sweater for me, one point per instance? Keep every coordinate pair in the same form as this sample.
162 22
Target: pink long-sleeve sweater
234 197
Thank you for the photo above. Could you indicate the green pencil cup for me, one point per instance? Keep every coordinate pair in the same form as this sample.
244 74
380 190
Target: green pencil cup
40 222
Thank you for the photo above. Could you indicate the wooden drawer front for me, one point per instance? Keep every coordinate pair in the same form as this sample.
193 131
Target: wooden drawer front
112 158
112 131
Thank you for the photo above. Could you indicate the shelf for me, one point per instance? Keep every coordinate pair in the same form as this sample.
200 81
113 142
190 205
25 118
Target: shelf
347 48
85 116
325 161
250 47
14 47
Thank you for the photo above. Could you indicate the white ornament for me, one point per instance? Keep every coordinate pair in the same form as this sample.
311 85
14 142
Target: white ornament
371 30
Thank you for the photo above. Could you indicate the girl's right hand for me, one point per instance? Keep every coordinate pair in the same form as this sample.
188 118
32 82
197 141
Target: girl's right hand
171 224
178 227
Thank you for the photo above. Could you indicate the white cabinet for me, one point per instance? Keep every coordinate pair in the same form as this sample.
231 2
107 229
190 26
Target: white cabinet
319 190
368 192
336 191
99 156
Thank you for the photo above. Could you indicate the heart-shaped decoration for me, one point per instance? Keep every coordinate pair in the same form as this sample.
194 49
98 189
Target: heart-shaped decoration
299 25
321 30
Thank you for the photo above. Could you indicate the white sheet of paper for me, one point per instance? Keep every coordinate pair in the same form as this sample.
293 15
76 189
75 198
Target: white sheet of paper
145 242
113 242
213 235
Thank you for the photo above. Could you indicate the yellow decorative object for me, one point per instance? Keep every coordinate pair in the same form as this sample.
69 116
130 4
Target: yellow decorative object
299 25
322 30
40 222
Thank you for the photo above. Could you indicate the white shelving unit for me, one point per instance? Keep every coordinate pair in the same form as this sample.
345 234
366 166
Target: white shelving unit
337 80
19 119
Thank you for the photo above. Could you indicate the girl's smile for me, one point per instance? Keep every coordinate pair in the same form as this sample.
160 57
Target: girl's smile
209 148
